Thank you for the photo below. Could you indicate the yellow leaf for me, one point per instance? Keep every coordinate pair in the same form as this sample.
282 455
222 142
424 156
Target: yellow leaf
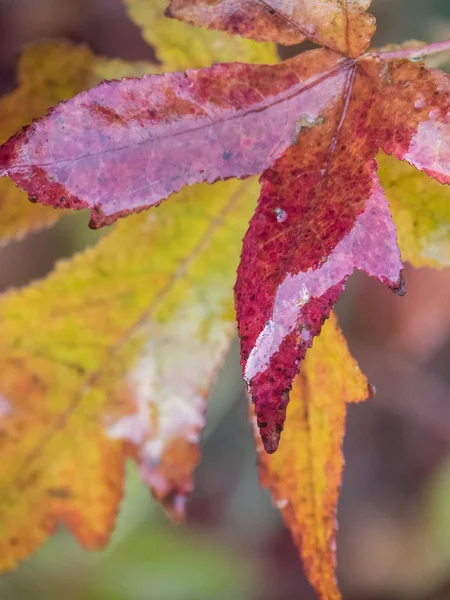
112 356
48 72
421 211
180 46
304 475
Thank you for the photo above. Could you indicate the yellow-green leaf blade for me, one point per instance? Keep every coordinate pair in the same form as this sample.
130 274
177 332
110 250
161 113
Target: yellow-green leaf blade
112 356
420 208
180 46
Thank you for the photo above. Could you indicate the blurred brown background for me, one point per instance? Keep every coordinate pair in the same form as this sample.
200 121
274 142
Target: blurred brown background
394 513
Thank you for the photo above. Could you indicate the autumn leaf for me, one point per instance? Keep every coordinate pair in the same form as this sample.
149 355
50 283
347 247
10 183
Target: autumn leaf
180 46
48 72
318 119
88 356
345 27
421 211
304 476
126 145
88 359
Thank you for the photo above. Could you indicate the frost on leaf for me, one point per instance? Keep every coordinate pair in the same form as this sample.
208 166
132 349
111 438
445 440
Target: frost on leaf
304 476
345 27
87 362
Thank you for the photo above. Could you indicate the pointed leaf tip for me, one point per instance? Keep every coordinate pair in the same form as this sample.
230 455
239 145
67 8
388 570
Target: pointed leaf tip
400 287
5 157
271 422
270 436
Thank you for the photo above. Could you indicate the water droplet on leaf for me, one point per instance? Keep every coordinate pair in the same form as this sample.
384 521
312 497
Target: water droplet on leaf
305 334
281 215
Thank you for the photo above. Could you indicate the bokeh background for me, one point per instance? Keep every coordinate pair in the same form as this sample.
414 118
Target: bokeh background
394 511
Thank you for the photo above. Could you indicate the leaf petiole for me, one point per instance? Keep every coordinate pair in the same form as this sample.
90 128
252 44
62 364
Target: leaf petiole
412 53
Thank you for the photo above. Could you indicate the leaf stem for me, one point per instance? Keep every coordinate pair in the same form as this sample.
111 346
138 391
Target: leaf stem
414 52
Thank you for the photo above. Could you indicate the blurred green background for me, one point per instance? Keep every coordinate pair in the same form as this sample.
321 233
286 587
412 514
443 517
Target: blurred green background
394 513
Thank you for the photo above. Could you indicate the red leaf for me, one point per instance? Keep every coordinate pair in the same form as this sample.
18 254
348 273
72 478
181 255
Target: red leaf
341 26
322 213
126 145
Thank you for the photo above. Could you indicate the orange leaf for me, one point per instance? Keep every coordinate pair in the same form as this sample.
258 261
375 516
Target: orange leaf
304 475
